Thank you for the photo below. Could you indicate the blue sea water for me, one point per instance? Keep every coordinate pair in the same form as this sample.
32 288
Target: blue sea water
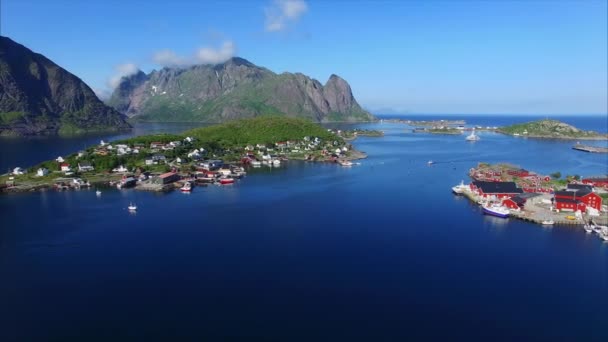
381 251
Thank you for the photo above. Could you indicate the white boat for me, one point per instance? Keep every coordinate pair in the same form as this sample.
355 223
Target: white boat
256 163
496 210
276 162
547 222
472 136
132 207
187 187
588 228
460 188
430 162
604 233
98 193
345 163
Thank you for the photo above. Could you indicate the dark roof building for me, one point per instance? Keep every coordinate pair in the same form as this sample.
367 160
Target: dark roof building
580 187
497 187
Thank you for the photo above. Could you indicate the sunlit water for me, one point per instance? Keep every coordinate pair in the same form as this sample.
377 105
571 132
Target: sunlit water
379 251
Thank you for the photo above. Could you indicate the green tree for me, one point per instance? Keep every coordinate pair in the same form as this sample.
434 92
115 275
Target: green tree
556 175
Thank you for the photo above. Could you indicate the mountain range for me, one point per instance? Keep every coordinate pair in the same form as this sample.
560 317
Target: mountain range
231 90
39 97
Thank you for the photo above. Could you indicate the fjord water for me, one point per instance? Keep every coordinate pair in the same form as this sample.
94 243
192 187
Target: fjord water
379 251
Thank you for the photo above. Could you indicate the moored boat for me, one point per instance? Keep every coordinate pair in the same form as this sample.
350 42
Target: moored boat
98 193
132 207
187 187
460 188
345 163
547 222
588 228
495 210
226 180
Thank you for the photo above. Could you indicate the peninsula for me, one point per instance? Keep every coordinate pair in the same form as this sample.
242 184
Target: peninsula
210 152
506 190
550 129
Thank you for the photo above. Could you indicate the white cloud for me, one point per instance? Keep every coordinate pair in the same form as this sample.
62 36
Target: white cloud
208 55
102 93
169 58
282 12
204 55
121 71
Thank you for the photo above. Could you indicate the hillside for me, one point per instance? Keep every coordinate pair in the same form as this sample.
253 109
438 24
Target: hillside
39 97
233 90
260 130
553 129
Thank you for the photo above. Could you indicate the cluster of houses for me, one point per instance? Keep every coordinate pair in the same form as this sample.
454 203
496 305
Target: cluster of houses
576 197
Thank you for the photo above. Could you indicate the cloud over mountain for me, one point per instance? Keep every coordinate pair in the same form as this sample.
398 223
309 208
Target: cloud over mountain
283 12
203 55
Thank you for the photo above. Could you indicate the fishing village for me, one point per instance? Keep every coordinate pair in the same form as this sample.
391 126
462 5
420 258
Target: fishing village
504 191
167 162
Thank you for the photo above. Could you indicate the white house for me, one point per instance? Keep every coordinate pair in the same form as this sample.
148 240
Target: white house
178 160
149 161
121 168
60 159
42 172
65 167
18 171
85 166
189 139
338 151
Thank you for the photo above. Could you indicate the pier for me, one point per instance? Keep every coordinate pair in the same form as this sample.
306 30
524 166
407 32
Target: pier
591 149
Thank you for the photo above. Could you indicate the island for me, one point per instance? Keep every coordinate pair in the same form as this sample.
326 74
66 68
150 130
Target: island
507 190
550 129
213 154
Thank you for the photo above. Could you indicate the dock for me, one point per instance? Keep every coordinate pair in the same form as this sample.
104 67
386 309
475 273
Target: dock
591 149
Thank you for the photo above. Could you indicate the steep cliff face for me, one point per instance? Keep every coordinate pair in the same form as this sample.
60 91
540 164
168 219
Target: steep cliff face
39 97
232 90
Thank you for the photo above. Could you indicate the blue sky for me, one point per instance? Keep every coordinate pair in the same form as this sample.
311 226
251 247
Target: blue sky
538 57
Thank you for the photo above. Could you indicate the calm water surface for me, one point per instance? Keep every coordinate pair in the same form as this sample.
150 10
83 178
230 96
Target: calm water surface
379 251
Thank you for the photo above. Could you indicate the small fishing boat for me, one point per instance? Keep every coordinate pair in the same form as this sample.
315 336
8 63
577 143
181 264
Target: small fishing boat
187 187
98 193
276 162
496 210
345 163
132 207
548 222
226 180
570 217
430 162
472 136
588 228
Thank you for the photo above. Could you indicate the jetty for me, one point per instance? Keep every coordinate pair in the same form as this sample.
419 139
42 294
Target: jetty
591 149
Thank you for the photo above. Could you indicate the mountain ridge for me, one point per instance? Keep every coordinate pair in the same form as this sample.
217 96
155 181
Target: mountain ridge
37 96
231 90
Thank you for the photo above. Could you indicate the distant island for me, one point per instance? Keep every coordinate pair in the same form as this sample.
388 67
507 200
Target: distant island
38 97
550 129
263 140
232 90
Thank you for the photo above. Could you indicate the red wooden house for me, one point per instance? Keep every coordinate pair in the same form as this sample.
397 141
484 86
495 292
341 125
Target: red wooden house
577 199
599 182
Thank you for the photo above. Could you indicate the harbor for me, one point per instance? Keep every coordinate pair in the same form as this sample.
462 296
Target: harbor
505 191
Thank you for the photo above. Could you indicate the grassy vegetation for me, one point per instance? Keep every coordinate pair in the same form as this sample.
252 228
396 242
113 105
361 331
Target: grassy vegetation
10 117
259 130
